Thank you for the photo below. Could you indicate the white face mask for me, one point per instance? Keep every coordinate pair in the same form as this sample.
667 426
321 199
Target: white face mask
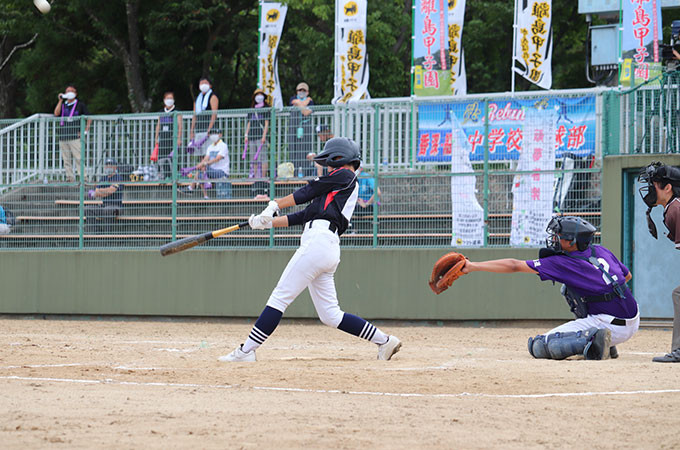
70 95
214 138
259 98
109 170
302 95
169 102
204 87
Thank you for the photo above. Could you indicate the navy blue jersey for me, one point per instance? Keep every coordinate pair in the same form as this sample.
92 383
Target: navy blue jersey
333 198
115 199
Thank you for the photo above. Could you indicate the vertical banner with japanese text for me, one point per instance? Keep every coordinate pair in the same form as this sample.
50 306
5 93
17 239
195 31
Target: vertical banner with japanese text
430 49
640 41
467 215
458 80
532 53
532 193
351 60
272 18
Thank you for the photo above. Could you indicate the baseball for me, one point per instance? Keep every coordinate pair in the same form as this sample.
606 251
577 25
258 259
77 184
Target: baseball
42 5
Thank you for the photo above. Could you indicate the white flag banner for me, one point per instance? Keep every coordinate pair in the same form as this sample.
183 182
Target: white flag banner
351 60
456 54
467 215
272 17
532 54
533 193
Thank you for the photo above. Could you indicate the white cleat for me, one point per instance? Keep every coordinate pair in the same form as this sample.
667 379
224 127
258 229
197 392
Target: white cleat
239 355
389 348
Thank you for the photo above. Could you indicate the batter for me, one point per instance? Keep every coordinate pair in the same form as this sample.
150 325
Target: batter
333 198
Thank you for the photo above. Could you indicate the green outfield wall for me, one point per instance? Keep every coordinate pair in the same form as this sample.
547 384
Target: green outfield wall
384 284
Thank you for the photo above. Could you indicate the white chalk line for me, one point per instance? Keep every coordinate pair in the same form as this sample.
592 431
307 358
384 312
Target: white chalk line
338 391
38 366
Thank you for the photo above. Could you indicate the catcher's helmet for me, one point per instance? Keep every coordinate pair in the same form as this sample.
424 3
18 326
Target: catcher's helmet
339 151
660 173
571 228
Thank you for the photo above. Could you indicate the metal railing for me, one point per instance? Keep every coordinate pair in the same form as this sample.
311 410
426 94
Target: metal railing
406 149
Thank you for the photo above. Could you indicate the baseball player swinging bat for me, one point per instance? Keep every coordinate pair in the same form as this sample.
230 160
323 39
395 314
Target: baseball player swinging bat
192 241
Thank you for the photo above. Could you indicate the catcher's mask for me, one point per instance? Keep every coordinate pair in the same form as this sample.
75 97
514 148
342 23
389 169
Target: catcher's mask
663 174
571 228
338 152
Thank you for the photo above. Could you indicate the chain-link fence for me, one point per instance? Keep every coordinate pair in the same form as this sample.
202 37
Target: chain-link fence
477 171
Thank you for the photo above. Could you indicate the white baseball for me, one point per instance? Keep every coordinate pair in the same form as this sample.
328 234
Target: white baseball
42 5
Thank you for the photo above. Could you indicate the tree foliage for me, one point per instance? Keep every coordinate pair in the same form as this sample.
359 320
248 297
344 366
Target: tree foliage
124 54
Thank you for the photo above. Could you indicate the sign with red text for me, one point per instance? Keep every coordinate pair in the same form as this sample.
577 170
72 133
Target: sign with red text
532 192
431 74
575 127
640 40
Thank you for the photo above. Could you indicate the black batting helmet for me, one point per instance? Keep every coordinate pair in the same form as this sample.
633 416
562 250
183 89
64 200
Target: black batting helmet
339 151
574 229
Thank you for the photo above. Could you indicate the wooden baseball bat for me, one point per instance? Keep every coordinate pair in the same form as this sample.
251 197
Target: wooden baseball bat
193 241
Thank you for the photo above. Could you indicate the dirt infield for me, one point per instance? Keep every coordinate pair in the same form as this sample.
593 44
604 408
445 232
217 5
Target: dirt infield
158 384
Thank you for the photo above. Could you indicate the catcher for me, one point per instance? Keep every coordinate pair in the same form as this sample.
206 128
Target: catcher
594 286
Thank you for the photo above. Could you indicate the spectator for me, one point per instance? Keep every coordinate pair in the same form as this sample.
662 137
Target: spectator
215 165
205 114
6 221
323 132
300 131
164 132
68 130
101 217
256 135
367 198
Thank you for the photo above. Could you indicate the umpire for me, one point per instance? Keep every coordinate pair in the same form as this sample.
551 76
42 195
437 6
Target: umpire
662 188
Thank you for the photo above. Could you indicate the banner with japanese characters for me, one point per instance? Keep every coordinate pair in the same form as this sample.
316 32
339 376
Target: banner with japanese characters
458 80
641 36
272 17
532 193
533 41
575 127
467 214
431 68
351 60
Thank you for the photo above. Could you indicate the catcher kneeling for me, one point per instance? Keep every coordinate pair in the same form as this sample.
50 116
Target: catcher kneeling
594 285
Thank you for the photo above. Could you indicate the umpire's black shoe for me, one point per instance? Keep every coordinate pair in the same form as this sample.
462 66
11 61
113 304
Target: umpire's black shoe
672 357
613 352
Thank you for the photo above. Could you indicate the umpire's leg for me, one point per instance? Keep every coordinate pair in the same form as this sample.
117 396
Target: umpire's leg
676 319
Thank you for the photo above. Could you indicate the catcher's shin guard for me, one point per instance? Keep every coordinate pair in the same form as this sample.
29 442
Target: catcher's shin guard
591 343
538 347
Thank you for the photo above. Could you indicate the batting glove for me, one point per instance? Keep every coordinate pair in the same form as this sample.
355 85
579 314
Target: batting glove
271 210
260 222
90 193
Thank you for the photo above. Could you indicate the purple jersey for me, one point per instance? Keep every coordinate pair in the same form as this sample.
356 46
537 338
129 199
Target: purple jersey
585 279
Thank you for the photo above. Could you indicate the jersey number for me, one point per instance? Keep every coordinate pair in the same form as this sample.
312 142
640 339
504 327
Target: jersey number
605 266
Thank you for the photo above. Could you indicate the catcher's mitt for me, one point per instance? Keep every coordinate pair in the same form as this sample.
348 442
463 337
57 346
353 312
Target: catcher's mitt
446 270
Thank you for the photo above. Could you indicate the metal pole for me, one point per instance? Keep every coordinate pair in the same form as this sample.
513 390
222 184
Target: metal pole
486 173
175 155
514 48
376 165
81 195
259 43
272 168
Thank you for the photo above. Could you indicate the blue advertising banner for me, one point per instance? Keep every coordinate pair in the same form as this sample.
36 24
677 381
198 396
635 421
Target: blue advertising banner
574 128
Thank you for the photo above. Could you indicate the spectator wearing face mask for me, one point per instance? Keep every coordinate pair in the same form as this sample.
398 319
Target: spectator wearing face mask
215 164
256 134
205 114
100 218
301 132
69 108
164 132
